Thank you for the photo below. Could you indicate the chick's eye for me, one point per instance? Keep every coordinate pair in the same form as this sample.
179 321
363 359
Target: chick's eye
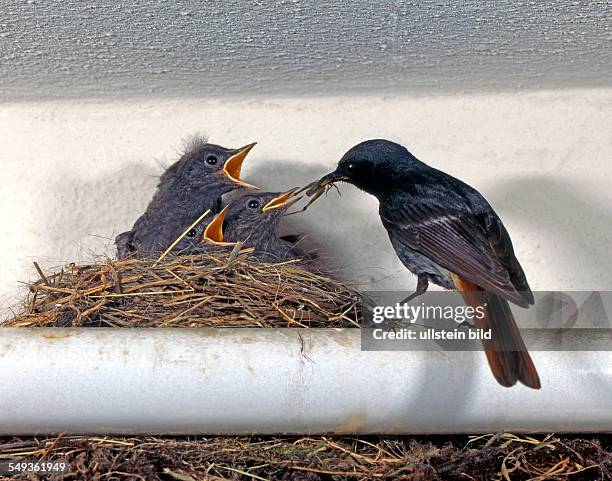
350 167
191 233
211 160
253 204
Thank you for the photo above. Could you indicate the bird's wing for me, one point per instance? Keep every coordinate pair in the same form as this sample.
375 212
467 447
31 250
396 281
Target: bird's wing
476 249
500 243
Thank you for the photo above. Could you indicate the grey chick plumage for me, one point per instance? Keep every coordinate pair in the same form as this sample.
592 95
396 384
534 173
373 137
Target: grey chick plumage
189 187
252 219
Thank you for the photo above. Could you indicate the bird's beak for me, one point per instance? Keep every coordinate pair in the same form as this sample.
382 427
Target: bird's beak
233 165
319 185
332 178
213 233
283 201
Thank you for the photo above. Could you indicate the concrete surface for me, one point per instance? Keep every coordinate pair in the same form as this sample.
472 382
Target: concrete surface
104 48
74 174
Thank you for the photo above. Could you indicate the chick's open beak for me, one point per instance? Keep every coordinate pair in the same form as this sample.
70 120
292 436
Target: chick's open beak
283 201
233 165
213 233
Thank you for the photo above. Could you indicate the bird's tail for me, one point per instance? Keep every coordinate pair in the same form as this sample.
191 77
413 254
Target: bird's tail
506 352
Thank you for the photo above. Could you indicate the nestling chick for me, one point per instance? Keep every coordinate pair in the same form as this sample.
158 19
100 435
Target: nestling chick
192 185
252 219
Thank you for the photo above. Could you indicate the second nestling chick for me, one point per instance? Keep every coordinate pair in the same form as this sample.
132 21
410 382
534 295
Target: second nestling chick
192 185
252 219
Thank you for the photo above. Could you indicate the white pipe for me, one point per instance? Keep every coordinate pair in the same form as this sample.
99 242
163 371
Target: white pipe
233 381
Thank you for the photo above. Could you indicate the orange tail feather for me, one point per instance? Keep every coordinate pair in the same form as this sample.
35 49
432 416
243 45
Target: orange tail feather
506 352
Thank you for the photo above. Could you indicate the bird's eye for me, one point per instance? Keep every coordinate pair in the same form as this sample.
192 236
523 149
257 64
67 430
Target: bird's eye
350 167
253 204
211 160
191 233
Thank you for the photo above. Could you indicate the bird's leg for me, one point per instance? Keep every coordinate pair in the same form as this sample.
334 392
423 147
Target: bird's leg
421 288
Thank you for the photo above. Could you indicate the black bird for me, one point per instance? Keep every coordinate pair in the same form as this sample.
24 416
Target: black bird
189 187
252 219
445 232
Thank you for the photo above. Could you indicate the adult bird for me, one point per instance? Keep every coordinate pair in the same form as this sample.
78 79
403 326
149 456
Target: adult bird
445 232
189 187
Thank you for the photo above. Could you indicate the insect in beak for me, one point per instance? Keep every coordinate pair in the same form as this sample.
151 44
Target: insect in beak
317 188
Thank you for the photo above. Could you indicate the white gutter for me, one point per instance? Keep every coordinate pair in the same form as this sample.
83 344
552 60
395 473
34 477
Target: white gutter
233 381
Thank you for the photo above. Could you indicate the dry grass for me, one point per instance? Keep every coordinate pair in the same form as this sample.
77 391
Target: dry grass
491 457
212 290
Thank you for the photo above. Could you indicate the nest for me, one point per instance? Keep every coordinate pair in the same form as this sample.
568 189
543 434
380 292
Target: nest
207 290
500 457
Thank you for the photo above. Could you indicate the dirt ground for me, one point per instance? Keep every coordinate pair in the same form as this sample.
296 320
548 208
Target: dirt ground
487 457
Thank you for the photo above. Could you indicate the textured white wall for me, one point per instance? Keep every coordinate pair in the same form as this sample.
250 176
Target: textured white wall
74 174
217 48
